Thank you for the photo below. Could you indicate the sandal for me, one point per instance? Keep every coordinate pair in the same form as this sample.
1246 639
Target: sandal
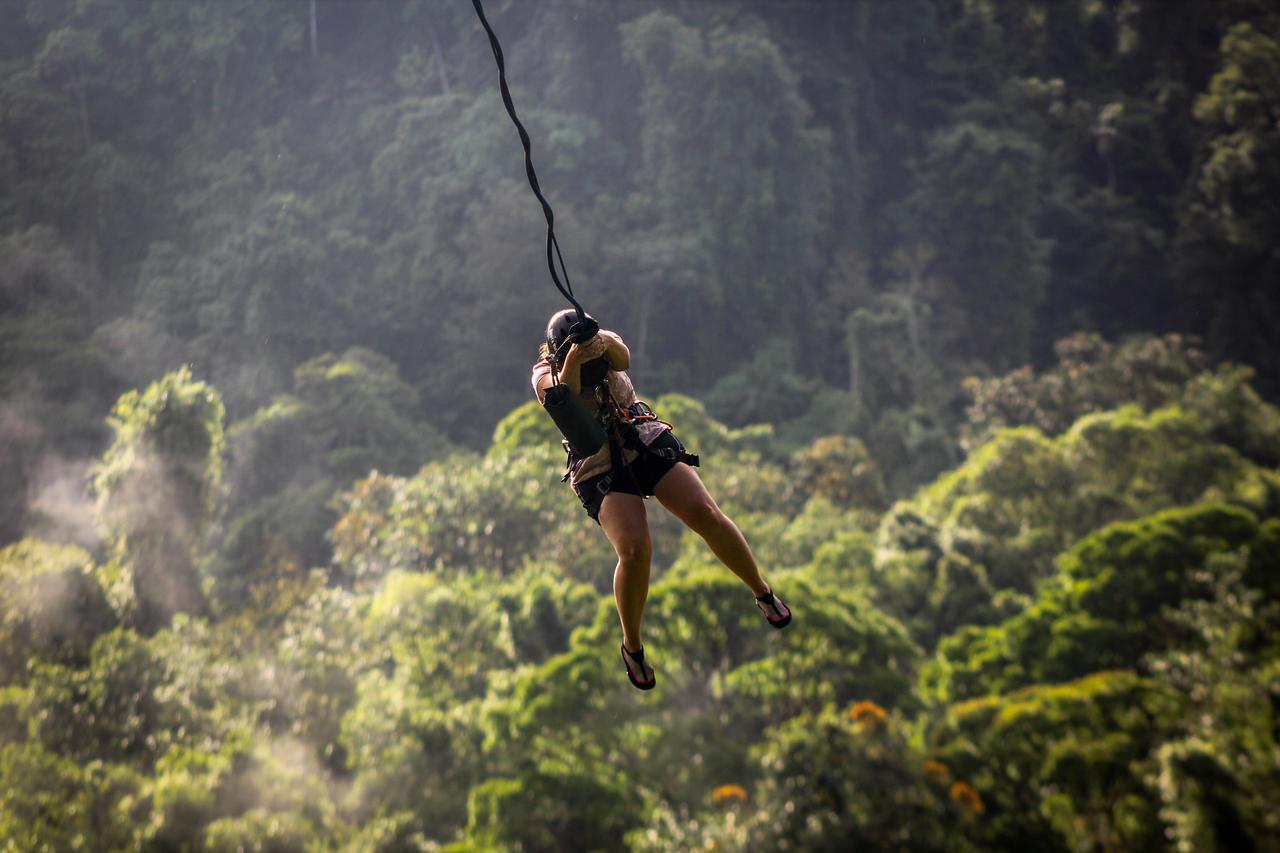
778 614
639 670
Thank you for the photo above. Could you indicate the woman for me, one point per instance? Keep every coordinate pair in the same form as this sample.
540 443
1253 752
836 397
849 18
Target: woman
643 458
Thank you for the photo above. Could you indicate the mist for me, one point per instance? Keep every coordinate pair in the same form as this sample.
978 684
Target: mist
968 309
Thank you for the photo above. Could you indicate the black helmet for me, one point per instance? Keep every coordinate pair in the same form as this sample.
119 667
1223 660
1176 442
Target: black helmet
561 326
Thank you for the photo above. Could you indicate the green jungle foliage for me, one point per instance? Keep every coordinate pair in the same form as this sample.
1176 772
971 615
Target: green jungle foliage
1066 643
968 307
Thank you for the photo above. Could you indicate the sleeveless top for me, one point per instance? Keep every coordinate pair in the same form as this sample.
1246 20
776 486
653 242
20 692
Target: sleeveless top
624 393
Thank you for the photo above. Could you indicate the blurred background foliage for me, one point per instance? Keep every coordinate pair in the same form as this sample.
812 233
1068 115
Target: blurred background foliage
969 308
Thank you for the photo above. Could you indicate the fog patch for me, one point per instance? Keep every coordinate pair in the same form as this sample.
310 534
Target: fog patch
59 506
21 440
140 352
155 522
17 427
278 796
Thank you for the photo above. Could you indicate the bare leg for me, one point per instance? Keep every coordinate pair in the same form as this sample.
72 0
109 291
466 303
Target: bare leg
626 524
682 492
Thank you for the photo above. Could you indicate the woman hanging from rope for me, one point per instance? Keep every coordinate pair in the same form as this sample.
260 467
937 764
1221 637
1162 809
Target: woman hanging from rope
632 455
642 457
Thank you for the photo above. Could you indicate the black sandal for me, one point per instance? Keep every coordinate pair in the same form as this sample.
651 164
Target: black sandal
778 614
639 666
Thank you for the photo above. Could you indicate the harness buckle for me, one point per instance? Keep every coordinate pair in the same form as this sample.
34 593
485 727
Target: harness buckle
640 411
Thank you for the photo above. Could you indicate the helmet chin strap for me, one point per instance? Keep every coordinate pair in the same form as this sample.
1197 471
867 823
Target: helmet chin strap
558 355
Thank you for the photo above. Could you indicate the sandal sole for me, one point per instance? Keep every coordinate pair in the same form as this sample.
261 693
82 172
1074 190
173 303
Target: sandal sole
639 685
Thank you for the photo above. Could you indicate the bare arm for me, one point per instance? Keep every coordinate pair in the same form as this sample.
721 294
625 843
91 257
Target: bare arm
616 351
570 374
571 371
606 344
545 382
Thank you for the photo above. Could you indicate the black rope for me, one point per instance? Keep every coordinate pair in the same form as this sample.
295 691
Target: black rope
553 245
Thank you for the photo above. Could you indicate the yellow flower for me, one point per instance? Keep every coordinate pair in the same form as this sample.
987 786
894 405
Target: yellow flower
729 795
937 772
867 715
968 798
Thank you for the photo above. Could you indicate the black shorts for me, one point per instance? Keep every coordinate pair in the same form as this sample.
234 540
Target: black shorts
639 478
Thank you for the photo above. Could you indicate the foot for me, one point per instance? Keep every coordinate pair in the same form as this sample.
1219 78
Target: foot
638 669
778 614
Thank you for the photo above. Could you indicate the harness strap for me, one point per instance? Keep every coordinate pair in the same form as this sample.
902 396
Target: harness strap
631 441
671 454
640 412
617 461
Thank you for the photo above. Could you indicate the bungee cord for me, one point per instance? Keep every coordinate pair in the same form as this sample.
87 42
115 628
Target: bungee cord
585 326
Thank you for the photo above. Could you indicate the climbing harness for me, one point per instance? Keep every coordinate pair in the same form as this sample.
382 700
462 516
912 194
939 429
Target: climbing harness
585 327
619 426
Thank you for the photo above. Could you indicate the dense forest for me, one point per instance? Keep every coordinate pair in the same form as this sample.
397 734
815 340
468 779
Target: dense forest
969 306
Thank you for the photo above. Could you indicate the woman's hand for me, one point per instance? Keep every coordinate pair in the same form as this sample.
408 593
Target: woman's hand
580 354
594 348
604 345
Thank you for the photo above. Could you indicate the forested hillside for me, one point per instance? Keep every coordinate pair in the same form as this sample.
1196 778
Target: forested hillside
969 307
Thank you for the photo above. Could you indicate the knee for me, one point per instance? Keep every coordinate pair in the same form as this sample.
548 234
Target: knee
635 552
705 517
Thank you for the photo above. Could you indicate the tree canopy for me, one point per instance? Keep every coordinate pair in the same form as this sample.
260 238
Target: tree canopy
969 309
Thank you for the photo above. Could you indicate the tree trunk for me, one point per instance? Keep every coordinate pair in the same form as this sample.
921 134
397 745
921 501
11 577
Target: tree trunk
647 292
84 116
438 55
